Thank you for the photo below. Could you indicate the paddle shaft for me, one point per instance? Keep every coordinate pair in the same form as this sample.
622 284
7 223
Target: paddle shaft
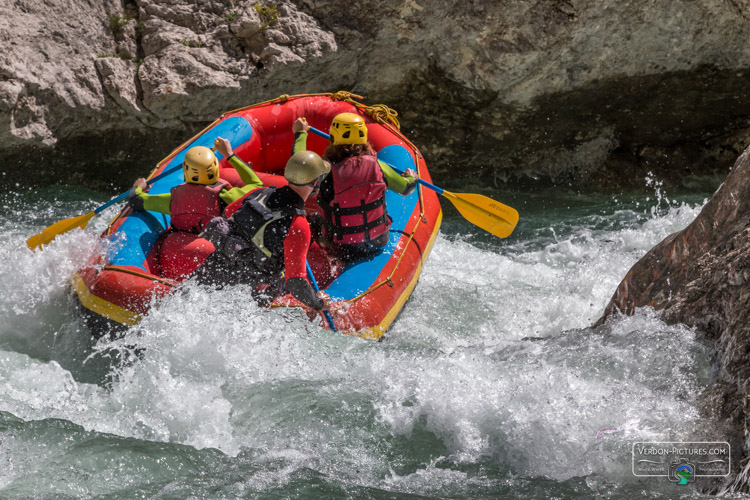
125 194
484 212
314 284
149 182
49 233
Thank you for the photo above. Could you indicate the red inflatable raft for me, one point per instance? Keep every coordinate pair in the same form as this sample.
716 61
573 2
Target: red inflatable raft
148 261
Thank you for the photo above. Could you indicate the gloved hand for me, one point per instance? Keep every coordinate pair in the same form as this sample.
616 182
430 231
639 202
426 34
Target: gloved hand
134 200
326 301
219 233
410 172
216 231
413 183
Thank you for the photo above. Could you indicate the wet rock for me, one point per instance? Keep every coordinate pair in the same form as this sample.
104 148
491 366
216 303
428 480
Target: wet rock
576 91
698 276
119 79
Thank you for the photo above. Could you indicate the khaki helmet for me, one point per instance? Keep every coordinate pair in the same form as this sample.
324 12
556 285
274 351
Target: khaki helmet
200 166
304 167
348 128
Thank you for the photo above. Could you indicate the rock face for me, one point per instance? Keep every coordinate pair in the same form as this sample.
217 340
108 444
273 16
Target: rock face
700 276
571 90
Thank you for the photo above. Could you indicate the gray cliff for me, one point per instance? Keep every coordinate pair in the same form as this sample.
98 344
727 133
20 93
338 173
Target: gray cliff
575 91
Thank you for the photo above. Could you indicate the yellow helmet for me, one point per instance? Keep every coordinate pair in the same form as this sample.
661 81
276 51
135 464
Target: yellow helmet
304 167
200 166
348 128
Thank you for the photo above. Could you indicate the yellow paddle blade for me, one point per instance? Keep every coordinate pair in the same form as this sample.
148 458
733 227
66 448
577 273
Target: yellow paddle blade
48 234
490 215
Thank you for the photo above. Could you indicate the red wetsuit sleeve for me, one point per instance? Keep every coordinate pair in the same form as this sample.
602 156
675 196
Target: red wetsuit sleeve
296 244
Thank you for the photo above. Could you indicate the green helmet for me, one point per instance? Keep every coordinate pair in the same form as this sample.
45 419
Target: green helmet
304 167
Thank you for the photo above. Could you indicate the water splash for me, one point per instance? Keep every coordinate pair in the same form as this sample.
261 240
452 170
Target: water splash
491 379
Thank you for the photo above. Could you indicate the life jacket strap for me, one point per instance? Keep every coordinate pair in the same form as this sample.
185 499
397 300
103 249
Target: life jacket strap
356 210
340 231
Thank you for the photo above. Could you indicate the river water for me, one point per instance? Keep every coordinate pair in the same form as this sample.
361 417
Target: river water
491 384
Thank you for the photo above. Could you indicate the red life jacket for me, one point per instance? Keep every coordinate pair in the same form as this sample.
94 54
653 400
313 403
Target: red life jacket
193 205
357 213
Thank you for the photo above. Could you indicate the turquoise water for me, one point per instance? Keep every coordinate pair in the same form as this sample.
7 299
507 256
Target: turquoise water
491 384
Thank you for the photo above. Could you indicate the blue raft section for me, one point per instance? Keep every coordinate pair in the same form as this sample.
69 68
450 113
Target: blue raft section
141 230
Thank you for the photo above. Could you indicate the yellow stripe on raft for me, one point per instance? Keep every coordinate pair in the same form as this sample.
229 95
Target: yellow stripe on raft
101 306
377 331
130 318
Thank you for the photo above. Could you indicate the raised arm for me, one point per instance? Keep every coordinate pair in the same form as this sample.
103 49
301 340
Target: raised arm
300 128
248 176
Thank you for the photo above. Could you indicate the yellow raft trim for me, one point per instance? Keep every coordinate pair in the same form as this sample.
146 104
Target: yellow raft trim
130 318
101 306
377 331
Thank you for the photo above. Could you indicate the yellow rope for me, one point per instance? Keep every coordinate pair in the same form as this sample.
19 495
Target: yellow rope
389 279
279 100
151 277
343 95
379 112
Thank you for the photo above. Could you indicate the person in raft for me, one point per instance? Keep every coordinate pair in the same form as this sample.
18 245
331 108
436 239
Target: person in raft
203 196
356 224
267 234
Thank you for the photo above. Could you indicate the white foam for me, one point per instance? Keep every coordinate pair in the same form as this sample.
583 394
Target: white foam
492 357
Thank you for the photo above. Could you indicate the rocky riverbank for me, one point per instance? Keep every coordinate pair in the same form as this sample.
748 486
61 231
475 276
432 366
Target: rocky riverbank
699 277
592 93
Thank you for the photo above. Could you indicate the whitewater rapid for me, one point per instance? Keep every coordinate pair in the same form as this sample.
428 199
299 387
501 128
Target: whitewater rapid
491 373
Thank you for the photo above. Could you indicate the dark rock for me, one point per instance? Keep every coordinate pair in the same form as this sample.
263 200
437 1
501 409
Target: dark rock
698 276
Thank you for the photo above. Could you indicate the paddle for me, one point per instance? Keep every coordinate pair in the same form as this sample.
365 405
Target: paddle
49 233
484 212
315 287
